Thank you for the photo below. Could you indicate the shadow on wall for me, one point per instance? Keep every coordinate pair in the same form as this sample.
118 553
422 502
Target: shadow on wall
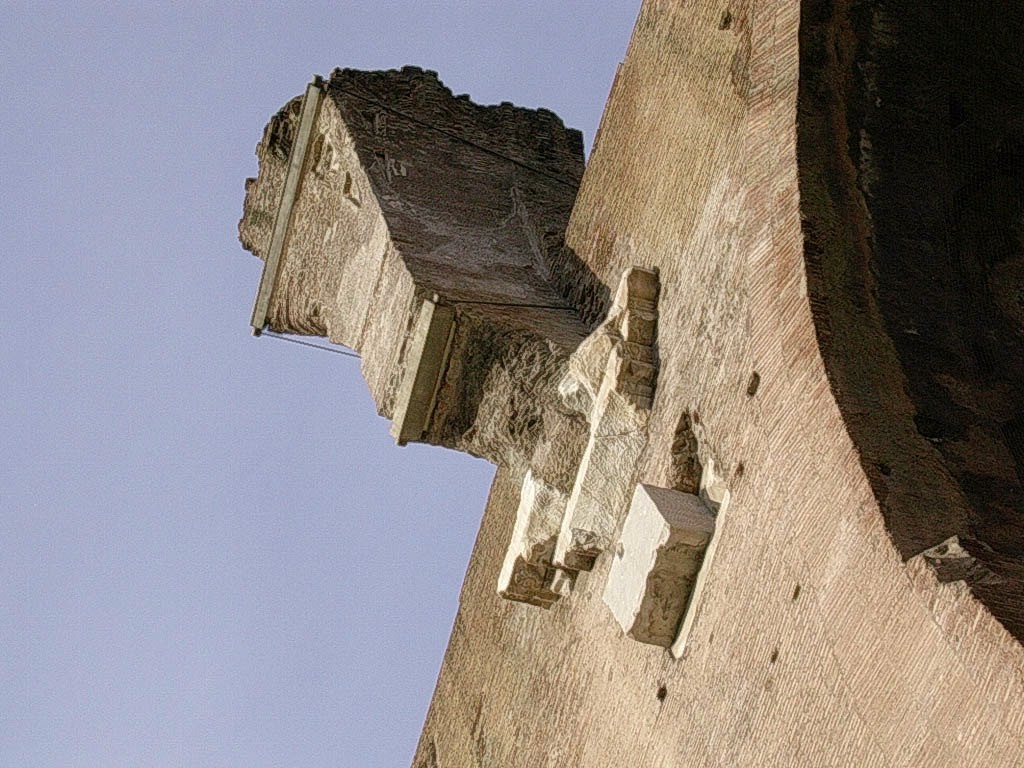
911 162
576 282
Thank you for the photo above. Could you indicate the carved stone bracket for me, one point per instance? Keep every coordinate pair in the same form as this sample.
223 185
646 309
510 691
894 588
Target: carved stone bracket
619 413
610 381
656 563
527 574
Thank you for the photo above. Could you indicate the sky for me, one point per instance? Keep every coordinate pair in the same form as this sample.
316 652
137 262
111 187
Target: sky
211 551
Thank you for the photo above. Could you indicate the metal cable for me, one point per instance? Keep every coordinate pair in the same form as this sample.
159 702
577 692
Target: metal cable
344 352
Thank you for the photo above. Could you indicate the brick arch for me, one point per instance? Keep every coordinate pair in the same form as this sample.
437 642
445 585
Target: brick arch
911 168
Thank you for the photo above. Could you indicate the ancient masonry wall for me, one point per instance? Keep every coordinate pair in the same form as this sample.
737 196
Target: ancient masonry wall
410 194
753 393
911 158
812 641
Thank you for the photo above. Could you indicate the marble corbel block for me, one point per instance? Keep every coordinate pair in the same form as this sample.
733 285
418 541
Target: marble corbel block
527 574
602 488
659 555
619 410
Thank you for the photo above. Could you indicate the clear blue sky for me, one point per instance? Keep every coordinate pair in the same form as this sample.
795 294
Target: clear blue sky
211 552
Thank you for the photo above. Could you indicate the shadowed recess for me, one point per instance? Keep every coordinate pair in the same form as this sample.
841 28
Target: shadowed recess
911 157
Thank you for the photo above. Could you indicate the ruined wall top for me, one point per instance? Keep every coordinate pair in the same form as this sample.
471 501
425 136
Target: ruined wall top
426 232
535 138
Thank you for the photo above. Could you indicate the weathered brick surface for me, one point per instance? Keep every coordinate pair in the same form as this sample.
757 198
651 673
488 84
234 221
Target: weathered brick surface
409 193
911 170
813 644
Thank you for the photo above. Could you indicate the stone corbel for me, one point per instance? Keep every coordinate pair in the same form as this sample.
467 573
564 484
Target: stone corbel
657 560
619 410
610 381
527 574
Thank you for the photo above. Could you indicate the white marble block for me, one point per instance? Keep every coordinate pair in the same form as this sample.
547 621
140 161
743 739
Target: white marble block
656 562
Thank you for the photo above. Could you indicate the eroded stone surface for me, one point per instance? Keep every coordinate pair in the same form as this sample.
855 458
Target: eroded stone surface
619 403
527 574
412 195
610 383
